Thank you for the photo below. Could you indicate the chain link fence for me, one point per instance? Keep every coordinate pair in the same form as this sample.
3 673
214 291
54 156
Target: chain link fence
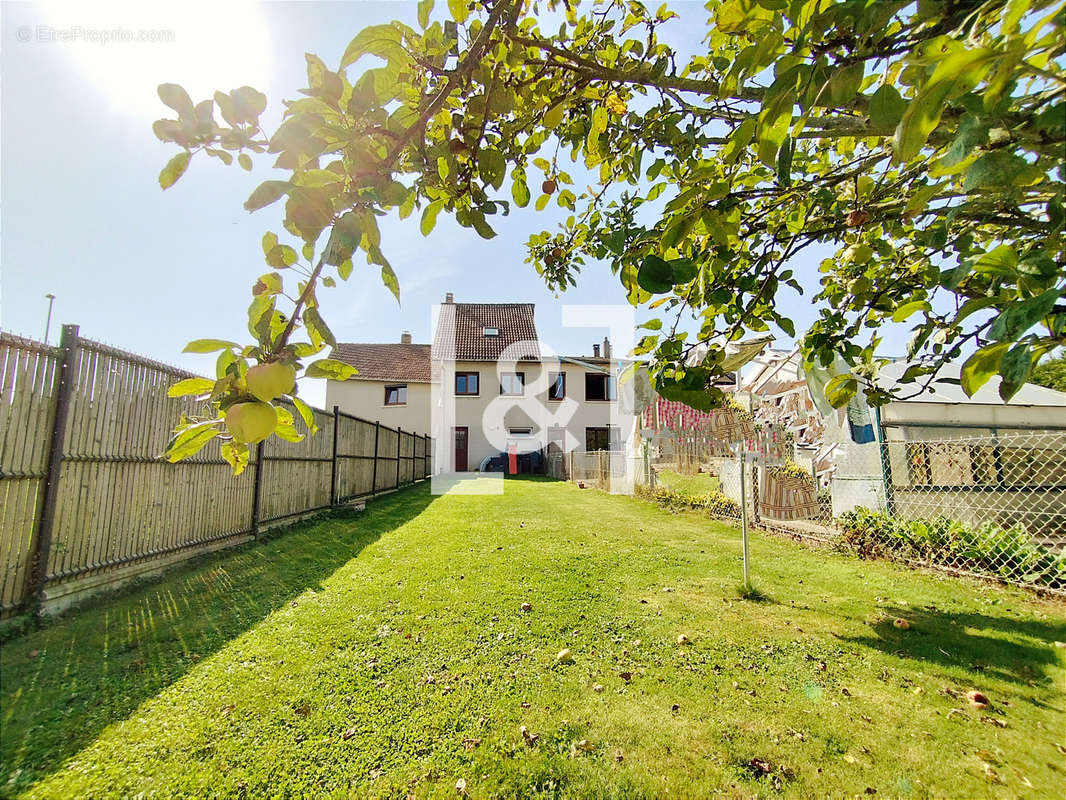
992 506
610 471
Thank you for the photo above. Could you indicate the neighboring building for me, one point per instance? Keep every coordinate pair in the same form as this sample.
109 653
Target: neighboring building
972 458
392 385
488 386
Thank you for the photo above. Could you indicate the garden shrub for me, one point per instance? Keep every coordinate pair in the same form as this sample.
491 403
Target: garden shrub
716 504
1009 553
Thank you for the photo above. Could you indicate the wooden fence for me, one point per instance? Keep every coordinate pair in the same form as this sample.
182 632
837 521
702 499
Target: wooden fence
87 501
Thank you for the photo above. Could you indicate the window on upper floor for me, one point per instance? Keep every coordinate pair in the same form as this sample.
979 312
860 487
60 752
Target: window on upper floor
396 395
512 384
491 331
600 386
466 383
556 385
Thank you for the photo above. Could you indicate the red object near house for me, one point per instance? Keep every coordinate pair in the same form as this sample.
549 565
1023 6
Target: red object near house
512 459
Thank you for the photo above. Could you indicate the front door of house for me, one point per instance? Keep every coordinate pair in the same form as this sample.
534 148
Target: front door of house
461 437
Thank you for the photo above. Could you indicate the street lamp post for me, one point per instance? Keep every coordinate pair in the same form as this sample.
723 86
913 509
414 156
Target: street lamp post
48 323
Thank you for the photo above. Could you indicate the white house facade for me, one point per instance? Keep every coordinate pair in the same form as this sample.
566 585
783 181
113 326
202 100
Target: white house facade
488 390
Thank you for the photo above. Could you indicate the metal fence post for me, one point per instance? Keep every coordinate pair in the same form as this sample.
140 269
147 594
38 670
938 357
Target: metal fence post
257 489
755 491
374 474
744 518
333 464
46 522
886 464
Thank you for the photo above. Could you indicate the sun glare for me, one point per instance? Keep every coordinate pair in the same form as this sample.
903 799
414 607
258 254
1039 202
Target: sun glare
125 49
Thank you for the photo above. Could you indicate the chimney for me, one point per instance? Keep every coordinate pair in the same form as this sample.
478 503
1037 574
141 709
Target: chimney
405 337
606 347
595 351
449 298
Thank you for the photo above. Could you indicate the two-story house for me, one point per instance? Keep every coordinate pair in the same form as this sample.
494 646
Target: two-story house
488 386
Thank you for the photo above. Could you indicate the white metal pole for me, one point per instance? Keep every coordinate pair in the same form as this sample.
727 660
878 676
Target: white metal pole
744 517
48 322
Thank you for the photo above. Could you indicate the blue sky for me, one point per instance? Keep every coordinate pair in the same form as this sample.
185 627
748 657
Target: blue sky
83 216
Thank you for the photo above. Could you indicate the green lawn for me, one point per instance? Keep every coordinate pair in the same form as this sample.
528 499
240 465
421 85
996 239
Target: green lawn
387 653
698 483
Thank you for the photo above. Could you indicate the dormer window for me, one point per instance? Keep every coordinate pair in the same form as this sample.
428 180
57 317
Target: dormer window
492 331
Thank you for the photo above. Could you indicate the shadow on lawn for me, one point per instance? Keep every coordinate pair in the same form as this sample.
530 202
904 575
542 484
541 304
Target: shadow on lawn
1006 648
63 684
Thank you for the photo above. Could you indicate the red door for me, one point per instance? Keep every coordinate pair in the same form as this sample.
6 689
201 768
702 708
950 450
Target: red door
461 437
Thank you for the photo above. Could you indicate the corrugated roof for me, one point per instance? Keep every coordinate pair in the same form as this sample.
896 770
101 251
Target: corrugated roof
1029 394
386 362
461 335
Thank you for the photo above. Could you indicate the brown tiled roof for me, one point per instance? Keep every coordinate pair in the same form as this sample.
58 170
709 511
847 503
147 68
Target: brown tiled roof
461 332
386 362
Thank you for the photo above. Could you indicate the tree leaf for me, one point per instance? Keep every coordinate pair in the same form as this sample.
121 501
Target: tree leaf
177 98
840 389
845 82
174 169
344 239
248 104
553 116
886 108
492 167
208 345
306 414
484 230
191 386
459 10
655 275
958 71
269 283
429 216
425 8
330 368
270 241
188 441
236 454
981 366
1001 260
908 309
1000 169
520 192
383 41
392 283
1021 315
266 193
281 256
1014 369
287 431
313 320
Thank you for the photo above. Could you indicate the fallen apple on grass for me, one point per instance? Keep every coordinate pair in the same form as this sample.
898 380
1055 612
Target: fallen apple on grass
977 699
